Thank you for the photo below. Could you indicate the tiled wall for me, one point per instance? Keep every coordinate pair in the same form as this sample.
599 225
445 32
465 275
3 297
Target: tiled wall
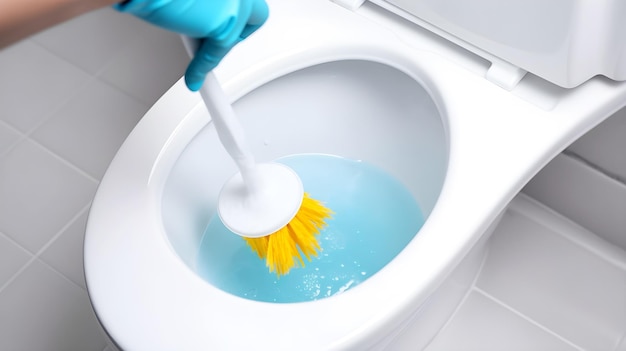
68 98
587 183
605 146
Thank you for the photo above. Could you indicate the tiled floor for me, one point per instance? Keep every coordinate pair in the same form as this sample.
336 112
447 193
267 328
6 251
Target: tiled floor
547 284
68 98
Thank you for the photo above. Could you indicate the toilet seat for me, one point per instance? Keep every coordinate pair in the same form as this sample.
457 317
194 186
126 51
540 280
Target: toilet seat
147 298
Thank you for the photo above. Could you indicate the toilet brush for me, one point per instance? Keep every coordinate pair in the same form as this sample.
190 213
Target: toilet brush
265 203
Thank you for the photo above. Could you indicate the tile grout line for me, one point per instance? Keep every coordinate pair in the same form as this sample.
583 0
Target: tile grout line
17 274
95 76
463 299
121 91
65 161
79 213
12 128
65 101
73 220
66 278
25 137
566 228
20 137
12 241
57 108
102 70
526 318
36 256
45 48
595 167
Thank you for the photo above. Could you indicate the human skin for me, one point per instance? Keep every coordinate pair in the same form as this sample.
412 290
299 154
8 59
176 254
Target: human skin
22 18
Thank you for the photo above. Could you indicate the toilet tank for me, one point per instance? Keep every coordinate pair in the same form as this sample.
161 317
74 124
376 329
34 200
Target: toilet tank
563 41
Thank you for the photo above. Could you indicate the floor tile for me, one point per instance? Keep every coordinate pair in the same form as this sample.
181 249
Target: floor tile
12 258
7 137
568 289
65 254
92 40
156 63
62 117
39 194
90 128
34 84
41 310
483 325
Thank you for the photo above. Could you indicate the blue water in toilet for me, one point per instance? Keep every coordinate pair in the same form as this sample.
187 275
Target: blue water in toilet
374 218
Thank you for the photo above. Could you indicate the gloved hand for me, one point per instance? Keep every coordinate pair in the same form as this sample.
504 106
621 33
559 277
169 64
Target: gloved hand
219 24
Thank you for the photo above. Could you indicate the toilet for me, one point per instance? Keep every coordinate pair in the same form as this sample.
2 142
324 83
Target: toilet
429 91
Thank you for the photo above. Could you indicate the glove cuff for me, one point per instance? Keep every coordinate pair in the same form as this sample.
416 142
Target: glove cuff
140 7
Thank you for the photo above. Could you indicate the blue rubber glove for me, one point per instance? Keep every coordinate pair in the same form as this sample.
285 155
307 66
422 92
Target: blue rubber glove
219 24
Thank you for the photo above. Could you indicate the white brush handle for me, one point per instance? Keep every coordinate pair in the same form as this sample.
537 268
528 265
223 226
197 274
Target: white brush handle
228 127
273 192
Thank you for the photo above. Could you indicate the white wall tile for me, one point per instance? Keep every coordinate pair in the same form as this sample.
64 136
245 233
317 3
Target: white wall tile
39 194
583 194
65 254
90 128
156 63
34 84
12 258
560 285
92 40
605 145
41 310
484 325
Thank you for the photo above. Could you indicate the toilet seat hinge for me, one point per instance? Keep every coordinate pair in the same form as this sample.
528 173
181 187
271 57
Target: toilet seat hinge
504 74
351 5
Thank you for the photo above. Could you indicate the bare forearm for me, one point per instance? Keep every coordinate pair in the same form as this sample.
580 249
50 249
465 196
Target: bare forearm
22 18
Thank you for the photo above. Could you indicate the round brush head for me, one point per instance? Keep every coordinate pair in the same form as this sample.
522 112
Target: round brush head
262 205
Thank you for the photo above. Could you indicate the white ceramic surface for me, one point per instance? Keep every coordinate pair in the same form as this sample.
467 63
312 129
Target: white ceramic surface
342 108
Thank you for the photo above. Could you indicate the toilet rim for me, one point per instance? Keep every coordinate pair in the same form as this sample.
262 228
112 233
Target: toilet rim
147 298
158 276
142 289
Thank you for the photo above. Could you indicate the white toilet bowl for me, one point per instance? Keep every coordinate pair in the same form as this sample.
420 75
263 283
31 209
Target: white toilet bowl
340 82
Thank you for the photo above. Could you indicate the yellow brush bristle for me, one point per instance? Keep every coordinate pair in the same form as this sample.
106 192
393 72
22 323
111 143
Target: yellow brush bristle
284 248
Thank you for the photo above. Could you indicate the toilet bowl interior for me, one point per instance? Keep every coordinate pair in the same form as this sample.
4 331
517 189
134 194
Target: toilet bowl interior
356 109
